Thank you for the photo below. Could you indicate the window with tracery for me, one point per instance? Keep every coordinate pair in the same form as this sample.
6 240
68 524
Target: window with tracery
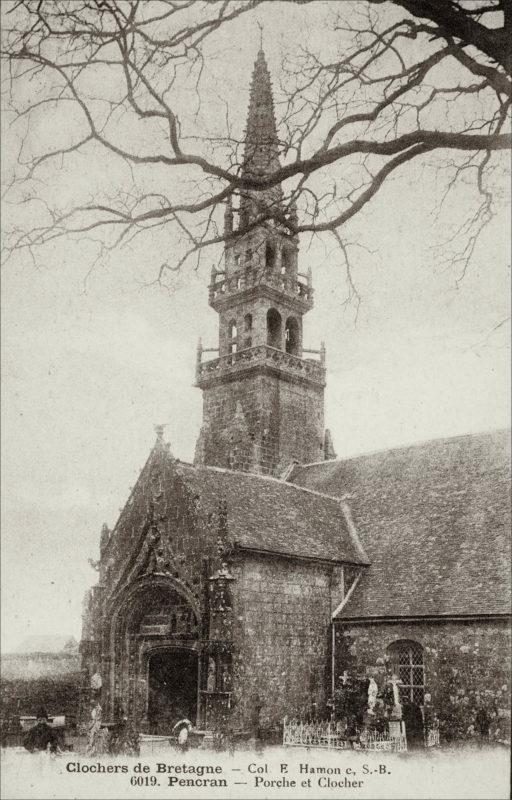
408 664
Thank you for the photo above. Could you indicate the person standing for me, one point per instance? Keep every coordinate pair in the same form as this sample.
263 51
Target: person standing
41 737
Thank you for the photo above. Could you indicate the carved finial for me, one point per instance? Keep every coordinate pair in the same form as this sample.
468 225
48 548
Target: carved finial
322 352
223 519
159 430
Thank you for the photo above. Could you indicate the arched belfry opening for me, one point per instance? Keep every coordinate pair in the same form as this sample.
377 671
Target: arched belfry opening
232 337
270 256
248 330
292 336
286 261
274 328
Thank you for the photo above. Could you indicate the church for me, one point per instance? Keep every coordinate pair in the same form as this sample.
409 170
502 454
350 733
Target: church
243 588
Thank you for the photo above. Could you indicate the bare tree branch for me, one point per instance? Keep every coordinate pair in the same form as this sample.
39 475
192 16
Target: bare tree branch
411 78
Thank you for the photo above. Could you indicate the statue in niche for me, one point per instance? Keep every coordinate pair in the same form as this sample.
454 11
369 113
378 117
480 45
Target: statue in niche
221 595
159 560
211 679
373 690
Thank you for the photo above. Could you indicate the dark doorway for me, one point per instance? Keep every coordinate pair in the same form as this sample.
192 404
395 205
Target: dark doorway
172 689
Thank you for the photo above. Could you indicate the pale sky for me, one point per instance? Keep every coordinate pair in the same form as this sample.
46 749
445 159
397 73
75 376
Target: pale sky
91 362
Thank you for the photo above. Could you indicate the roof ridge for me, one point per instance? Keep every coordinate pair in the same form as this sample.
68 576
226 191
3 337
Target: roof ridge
410 446
266 478
352 530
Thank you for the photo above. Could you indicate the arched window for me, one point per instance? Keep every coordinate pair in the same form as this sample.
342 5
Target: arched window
292 336
274 327
286 261
232 337
270 256
407 664
248 330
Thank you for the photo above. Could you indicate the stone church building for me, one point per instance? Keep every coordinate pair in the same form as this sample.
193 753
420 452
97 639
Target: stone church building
237 590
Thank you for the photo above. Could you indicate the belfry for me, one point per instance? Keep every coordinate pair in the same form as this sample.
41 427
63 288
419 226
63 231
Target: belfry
263 403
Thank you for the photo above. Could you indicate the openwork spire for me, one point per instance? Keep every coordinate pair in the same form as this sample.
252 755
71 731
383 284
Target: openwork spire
261 156
261 143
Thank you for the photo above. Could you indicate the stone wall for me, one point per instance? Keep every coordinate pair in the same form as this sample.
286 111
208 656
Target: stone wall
282 641
467 667
280 421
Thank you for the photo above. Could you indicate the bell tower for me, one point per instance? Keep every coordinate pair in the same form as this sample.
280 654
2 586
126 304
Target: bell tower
263 400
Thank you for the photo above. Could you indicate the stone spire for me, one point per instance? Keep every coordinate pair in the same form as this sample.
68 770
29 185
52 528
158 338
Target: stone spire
261 156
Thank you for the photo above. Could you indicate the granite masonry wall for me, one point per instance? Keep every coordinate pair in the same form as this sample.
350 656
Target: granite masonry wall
278 421
282 640
467 667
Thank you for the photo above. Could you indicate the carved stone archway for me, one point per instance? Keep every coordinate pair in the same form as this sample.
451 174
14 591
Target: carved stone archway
153 613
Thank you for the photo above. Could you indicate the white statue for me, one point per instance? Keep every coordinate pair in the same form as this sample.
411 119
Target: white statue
373 690
397 706
211 678
96 682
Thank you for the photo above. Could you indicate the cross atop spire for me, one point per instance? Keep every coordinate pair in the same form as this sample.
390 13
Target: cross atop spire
260 26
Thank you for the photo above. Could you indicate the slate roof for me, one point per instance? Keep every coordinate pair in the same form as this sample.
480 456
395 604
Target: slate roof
434 519
268 514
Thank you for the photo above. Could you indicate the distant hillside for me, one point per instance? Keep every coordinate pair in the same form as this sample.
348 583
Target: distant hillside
48 644
28 666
